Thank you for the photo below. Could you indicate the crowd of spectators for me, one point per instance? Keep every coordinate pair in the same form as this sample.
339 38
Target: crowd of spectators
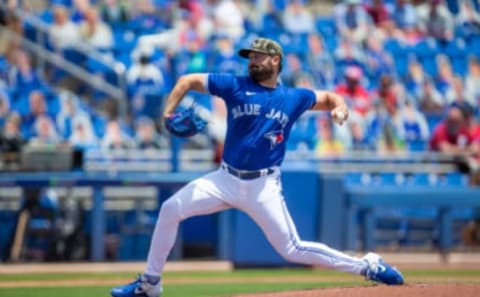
410 70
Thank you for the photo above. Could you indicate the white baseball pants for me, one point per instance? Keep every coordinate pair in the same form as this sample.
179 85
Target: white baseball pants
262 200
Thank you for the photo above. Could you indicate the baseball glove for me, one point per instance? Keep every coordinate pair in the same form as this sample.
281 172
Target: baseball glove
185 123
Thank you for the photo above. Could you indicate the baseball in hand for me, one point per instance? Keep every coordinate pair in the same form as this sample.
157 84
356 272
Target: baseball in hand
339 117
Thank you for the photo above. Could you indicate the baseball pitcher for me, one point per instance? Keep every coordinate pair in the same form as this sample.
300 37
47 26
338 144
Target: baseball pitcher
261 113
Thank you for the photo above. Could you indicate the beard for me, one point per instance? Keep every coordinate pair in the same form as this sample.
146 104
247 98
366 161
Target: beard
259 74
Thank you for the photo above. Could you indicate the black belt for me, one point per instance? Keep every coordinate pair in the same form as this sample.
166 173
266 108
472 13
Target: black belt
246 175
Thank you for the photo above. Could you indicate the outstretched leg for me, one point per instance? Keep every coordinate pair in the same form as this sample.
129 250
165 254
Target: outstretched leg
268 209
274 219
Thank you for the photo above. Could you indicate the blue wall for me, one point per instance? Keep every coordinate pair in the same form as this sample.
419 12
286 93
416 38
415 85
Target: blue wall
301 191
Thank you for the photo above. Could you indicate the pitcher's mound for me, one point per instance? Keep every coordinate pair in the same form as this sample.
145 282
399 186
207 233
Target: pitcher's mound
427 290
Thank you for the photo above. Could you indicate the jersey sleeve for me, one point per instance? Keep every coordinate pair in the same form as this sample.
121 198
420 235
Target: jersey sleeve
220 84
306 100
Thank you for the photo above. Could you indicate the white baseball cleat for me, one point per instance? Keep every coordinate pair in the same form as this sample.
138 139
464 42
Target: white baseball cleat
379 271
138 288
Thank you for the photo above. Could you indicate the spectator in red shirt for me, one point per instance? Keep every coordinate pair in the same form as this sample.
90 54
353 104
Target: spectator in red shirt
378 13
352 90
452 135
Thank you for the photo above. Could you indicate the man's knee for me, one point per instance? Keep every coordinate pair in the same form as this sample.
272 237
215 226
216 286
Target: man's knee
289 252
170 210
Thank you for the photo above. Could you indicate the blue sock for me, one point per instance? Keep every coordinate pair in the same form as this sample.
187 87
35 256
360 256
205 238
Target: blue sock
152 279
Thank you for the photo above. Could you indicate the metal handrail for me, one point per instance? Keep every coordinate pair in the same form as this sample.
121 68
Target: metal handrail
82 47
118 93
60 61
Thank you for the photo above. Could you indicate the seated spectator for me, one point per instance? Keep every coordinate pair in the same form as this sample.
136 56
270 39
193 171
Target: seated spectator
468 20
445 75
389 140
146 135
436 20
355 94
404 14
303 134
386 96
229 19
378 62
382 132
23 77
44 132
202 16
378 12
37 107
70 112
472 81
360 140
4 107
321 62
225 58
412 126
114 12
412 35
452 135
192 58
429 100
83 136
11 139
415 78
80 10
63 32
115 138
352 20
297 19
457 93
8 45
327 144
95 32
145 19
144 72
145 81
293 70
348 53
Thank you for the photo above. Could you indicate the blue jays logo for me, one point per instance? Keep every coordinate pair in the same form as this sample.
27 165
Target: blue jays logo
275 137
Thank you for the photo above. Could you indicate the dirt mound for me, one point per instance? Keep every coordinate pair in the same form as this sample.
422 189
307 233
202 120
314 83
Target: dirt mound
426 290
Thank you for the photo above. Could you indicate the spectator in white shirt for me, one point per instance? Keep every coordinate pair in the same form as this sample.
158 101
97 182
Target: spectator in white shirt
63 32
297 19
229 19
95 32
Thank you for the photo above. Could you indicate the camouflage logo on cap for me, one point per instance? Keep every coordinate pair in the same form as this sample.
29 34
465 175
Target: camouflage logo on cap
264 46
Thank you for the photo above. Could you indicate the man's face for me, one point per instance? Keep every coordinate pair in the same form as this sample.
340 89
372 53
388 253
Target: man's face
260 66
455 120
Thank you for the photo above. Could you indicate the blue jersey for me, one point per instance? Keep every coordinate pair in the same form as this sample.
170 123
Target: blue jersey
259 119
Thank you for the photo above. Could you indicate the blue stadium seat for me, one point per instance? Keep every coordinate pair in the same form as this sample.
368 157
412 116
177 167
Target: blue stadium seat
357 178
454 179
426 52
400 53
124 41
296 44
423 179
74 56
433 120
327 28
391 179
456 50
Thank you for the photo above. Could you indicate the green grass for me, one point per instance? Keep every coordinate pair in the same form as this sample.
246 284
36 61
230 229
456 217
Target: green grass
183 290
178 275
216 284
